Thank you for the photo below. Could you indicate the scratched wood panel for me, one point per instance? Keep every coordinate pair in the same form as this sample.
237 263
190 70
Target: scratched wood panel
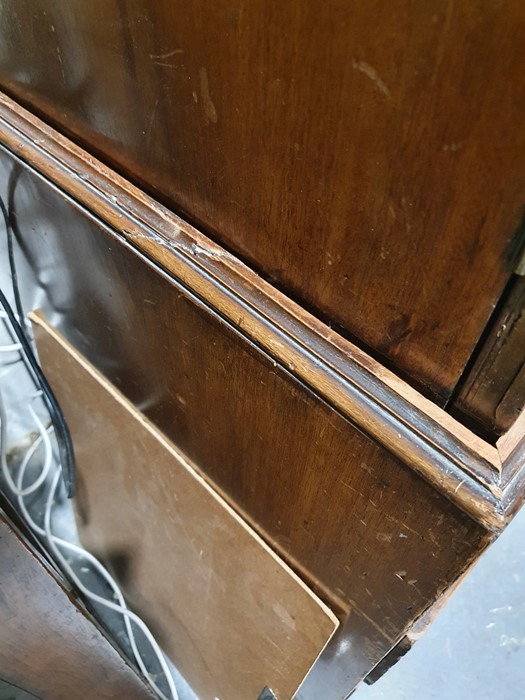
49 645
370 162
372 538
493 393
447 454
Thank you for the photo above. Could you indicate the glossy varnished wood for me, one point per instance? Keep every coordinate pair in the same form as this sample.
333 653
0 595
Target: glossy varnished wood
372 538
368 161
493 394
49 645
452 458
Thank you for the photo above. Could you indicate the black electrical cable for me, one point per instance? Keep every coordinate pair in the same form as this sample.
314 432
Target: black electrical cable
65 444
15 285
12 264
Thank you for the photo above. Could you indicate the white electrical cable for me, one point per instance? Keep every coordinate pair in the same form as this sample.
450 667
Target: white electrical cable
43 437
14 347
23 322
17 489
55 542
3 314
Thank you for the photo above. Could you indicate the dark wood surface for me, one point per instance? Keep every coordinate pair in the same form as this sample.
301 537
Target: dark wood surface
368 158
493 395
49 645
457 462
368 534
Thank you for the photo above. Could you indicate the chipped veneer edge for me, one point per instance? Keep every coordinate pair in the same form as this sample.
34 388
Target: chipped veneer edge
454 460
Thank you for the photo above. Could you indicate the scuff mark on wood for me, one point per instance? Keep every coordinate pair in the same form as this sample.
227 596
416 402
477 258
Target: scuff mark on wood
209 108
371 73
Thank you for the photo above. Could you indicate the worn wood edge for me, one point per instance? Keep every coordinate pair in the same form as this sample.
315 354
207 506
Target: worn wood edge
513 476
513 494
508 442
418 628
427 618
511 448
38 319
465 468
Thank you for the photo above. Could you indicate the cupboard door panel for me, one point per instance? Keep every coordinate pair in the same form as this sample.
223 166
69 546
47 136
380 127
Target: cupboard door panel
492 395
368 159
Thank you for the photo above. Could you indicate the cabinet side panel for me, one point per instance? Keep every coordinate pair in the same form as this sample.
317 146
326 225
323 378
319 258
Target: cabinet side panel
370 536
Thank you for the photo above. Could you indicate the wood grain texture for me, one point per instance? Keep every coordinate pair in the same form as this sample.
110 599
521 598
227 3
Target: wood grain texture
508 443
49 645
233 617
367 533
493 393
370 162
513 478
446 453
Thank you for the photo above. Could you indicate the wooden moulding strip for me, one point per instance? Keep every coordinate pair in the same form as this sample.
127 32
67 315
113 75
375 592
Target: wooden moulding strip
464 467
511 446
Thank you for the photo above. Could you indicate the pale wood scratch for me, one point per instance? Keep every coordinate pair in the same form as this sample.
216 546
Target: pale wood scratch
371 73
167 54
209 108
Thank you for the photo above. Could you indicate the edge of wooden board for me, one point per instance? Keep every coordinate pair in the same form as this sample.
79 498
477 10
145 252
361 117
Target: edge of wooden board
38 319
465 468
